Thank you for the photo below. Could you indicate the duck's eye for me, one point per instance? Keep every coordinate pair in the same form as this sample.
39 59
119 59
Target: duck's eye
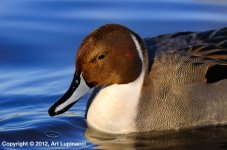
101 57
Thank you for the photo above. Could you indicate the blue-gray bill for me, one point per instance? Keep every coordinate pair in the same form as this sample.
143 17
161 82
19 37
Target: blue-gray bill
77 89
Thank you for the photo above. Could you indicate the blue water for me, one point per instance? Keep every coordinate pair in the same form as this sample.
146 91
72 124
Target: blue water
38 43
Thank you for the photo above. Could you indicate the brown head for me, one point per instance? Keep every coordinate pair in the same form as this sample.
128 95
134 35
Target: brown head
109 56
112 54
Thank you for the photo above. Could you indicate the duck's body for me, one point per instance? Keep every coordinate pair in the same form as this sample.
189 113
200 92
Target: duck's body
180 96
180 82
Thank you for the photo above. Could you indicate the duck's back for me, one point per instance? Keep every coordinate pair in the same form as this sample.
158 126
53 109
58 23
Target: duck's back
187 83
193 43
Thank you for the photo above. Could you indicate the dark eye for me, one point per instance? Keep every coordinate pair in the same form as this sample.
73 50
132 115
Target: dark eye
101 57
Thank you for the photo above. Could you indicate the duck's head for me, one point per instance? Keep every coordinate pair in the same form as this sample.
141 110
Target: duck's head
112 54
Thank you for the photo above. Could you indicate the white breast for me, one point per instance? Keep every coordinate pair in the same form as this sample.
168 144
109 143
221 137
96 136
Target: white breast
115 107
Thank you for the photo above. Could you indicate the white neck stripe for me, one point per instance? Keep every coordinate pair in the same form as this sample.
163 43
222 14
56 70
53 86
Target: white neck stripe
138 47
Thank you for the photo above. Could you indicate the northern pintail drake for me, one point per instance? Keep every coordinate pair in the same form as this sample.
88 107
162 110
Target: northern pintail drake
169 82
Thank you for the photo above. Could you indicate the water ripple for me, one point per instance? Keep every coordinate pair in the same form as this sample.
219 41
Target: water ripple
52 134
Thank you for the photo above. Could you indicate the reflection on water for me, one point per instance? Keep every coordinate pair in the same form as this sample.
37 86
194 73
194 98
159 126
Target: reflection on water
38 42
205 138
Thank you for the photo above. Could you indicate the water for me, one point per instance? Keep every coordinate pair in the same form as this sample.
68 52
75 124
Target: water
38 43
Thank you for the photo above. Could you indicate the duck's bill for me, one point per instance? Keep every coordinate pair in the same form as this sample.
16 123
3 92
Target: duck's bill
77 89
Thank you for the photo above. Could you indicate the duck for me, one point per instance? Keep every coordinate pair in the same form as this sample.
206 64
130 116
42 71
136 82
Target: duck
168 82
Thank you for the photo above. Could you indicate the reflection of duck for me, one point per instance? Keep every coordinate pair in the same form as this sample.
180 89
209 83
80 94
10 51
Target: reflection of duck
202 138
167 82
